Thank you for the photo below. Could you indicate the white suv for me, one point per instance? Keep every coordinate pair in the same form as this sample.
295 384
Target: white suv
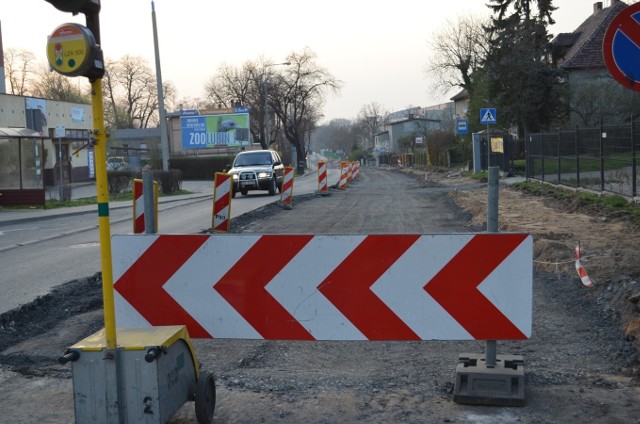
257 170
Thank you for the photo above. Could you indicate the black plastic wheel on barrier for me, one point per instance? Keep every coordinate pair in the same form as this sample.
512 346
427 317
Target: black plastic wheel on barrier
205 397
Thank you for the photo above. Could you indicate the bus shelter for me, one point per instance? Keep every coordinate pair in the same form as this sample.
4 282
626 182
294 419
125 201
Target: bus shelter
21 167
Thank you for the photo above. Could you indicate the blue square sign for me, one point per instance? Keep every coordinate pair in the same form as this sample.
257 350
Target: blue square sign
462 126
488 115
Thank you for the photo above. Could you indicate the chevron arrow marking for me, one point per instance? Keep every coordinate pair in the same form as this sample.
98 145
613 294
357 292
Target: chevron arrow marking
142 283
455 287
349 287
243 286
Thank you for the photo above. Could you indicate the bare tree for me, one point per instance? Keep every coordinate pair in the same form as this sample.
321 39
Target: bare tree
298 95
230 86
52 85
369 121
459 51
601 101
20 66
131 93
335 136
246 86
294 93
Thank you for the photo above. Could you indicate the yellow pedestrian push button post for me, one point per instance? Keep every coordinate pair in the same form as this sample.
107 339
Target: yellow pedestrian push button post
71 49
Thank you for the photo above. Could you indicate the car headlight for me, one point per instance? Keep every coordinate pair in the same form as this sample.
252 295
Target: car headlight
264 175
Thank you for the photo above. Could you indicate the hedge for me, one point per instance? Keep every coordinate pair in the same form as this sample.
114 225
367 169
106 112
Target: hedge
202 168
122 181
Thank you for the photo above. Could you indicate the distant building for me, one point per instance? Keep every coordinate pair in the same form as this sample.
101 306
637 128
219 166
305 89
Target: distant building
138 146
48 143
417 122
580 52
460 104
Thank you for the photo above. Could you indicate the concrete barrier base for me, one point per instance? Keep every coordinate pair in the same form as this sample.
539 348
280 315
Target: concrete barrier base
481 385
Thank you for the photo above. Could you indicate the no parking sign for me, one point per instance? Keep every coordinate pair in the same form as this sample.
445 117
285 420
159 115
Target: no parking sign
620 47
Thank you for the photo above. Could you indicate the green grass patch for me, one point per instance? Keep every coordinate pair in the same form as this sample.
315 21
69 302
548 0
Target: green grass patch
482 176
600 204
113 197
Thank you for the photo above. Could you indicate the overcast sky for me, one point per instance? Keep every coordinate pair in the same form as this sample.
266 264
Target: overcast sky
379 50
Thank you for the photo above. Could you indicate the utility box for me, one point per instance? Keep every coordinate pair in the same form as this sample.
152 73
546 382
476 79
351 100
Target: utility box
503 150
157 373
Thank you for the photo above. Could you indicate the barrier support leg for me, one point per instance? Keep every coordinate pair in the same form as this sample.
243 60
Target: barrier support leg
492 379
476 383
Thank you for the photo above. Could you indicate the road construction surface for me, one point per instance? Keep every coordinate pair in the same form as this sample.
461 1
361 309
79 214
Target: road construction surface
573 361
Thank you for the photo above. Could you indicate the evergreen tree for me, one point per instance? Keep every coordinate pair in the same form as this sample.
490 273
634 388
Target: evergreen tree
522 9
520 81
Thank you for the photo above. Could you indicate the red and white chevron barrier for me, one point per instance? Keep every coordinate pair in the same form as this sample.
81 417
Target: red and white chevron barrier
138 205
338 287
222 192
323 186
286 194
586 280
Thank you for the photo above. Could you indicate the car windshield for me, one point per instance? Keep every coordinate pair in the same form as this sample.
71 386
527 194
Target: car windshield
250 159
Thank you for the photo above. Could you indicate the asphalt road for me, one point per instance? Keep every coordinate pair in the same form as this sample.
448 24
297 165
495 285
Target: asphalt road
42 249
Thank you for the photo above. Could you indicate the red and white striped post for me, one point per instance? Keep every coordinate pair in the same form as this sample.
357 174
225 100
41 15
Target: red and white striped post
286 194
323 186
138 206
221 219
344 175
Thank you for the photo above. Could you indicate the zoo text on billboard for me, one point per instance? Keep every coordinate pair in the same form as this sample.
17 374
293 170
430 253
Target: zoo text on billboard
209 131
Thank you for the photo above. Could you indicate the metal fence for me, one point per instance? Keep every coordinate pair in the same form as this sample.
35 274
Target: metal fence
603 159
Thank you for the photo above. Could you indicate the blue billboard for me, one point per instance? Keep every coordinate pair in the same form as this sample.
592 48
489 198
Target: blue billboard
210 131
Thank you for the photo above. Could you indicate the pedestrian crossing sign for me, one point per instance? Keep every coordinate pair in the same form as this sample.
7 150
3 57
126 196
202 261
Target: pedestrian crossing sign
488 115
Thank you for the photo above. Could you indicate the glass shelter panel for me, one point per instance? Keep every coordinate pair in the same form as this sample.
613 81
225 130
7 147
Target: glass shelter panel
9 163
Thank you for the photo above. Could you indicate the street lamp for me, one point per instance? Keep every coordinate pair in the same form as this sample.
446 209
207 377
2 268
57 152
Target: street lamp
266 102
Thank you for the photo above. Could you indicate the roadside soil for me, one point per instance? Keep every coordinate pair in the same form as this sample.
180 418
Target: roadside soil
581 363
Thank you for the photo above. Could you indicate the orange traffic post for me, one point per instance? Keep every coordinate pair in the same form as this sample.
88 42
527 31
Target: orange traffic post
286 194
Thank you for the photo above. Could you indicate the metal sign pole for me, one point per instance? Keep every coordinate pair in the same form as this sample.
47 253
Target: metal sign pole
492 227
488 149
149 202
60 165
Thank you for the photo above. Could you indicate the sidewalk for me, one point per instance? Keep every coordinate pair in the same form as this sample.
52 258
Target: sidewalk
198 189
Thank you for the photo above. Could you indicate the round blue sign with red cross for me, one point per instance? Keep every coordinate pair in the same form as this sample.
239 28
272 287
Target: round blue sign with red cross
621 47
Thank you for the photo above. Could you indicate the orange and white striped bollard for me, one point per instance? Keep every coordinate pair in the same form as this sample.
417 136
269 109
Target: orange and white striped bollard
323 186
344 175
286 194
222 186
